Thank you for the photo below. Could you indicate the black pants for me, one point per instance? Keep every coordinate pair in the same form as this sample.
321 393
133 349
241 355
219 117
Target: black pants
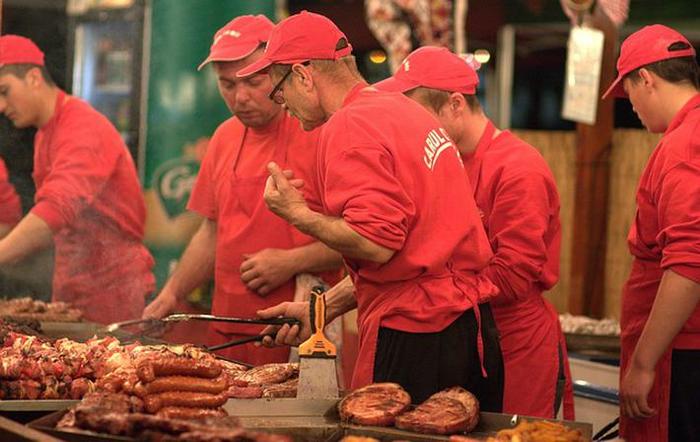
684 403
425 363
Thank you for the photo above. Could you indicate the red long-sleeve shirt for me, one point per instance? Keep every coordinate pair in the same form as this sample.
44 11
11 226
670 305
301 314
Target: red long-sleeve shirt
10 207
89 195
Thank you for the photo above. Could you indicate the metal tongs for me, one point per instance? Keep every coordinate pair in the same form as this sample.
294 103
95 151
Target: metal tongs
180 317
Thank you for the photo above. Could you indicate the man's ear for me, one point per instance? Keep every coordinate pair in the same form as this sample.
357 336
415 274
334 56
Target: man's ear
456 103
33 77
648 79
304 74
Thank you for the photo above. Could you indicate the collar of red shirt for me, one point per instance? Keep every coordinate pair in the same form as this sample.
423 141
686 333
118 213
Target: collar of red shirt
680 116
354 93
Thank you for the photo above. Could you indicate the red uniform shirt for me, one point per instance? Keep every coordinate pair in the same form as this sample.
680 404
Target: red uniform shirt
229 190
10 207
89 195
400 183
519 204
665 236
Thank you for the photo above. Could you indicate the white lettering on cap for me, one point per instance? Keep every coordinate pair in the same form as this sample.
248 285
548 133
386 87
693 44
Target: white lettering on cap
230 33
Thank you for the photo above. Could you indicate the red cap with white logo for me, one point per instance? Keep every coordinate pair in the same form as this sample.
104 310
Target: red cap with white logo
435 68
239 38
299 38
646 46
15 49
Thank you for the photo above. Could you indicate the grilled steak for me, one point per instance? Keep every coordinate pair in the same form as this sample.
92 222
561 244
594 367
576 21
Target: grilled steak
375 404
449 411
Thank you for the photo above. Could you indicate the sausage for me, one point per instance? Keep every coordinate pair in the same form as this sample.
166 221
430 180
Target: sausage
154 402
251 392
149 369
181 383
190 413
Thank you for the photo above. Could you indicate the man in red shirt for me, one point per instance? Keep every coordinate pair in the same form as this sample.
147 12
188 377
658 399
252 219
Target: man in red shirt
396 203
659 384
519 205
10 207
88 199
253 255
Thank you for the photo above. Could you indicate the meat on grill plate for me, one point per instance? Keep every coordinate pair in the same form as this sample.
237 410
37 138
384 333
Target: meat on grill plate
374 404
449 411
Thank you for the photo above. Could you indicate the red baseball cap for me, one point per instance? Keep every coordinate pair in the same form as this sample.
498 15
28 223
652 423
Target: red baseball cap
646 46
299 38
15 49
239 38
435 68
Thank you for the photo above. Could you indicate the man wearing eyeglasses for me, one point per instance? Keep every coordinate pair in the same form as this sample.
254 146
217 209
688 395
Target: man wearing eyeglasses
397 205
252 254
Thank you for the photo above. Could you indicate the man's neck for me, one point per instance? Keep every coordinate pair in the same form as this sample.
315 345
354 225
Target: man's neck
47 106
474 127
675 98
335 94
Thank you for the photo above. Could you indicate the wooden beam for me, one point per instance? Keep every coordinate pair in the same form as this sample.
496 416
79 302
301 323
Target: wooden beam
593 143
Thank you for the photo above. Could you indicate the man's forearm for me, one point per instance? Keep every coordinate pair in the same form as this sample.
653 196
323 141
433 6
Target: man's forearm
315 257
196 265
675 301
336 234
4 229
29 236
340 299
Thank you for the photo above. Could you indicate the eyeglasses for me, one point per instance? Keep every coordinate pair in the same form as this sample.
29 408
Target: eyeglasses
275 94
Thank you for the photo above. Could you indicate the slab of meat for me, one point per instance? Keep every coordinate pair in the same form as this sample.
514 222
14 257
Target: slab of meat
269 374
285 389
470 402
449 411
375 404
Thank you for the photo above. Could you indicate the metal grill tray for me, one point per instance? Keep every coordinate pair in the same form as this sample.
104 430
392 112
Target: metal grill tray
36 405
321 423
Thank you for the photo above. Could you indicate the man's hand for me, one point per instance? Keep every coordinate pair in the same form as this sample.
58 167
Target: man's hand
164 304
264 271
634 390
282 194
287 335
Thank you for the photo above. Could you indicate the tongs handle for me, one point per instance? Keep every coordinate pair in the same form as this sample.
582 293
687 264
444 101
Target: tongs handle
271 321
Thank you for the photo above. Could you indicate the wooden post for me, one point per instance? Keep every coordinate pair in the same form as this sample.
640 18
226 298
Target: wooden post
593 144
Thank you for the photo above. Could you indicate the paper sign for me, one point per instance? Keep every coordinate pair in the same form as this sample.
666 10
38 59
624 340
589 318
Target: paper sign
581 88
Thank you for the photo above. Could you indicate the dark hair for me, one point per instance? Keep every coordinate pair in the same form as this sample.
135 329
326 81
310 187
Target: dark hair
20 71
673 70
436 99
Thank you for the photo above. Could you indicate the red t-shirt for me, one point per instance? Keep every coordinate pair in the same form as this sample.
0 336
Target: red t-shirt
229 190
10 207
89 195
666 230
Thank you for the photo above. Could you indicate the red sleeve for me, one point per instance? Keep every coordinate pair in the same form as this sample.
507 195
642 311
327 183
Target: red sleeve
679 220
517 229
10 207
203 198
360 184
82 164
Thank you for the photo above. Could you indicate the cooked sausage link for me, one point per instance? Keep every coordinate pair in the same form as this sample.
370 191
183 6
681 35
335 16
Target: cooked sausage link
154 402
187 383
149 369
190 413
